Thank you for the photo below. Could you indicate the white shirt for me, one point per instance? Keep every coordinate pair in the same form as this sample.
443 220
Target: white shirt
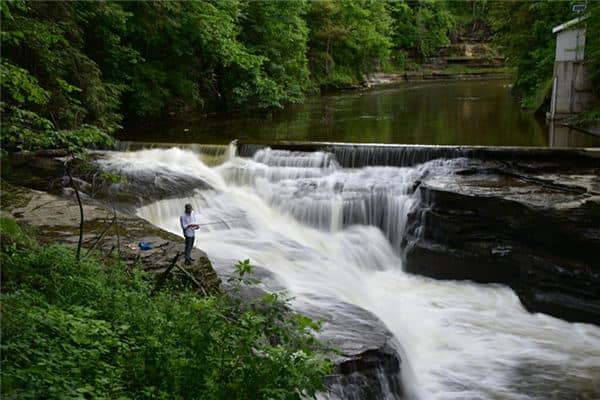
185 220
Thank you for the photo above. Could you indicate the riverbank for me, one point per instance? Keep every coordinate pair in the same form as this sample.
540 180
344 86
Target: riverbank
453 73
93 327
366 359
107 233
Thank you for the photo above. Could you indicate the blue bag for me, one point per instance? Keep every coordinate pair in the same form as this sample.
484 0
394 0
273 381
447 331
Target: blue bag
145 245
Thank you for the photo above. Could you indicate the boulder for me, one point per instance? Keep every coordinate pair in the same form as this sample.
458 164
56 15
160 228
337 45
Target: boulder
368 365
537 232
367 361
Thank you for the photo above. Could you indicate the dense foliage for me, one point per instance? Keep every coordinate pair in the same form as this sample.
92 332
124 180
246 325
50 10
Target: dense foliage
593 41
75 331
347 39
52 92
73 71
420 26
524 32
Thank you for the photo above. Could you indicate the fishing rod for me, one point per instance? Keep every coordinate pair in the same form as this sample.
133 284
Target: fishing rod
219 222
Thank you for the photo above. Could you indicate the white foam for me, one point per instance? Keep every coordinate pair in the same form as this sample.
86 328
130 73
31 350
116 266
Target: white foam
462 340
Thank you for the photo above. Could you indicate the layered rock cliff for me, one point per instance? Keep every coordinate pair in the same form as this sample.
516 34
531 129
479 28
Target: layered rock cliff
533 227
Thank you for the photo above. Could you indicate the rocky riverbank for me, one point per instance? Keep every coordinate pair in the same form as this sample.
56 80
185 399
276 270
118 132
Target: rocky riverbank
469 56
108 233
532 226
448 74
367 365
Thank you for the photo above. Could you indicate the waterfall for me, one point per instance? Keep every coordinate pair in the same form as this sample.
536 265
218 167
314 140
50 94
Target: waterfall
327 232
210 154
361 155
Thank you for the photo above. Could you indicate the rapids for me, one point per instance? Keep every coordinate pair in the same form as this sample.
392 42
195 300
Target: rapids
327 232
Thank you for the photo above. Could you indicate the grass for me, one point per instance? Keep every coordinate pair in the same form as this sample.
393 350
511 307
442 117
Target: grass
540 97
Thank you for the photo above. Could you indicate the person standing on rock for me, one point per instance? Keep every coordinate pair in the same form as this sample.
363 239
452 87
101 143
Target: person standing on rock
188 225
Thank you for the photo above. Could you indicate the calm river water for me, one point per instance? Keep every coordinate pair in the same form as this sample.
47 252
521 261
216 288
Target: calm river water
451 113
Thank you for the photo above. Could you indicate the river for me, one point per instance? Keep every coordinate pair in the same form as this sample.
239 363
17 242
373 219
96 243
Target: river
311 223
330 234
477 112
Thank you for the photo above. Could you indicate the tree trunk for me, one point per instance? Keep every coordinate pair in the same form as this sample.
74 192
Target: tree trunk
116 220
72 183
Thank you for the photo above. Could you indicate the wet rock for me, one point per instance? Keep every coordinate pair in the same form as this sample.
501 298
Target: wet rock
537 232
54 219
138 187
367 365
45 171
42 171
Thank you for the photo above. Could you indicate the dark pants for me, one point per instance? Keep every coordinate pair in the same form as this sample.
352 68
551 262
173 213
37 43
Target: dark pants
189 244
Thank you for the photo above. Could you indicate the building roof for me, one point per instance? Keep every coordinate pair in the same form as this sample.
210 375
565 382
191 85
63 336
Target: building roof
568 24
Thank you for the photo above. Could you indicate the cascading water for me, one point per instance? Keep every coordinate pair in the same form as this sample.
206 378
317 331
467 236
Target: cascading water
210 154
330 233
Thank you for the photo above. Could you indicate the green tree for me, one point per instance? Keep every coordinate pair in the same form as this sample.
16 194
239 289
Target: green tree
347 39
523 31
277 32
421 26
470 15
53 94
185 49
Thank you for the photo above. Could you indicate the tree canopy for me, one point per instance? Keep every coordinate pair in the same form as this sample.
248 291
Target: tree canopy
75 71
523 30
77 67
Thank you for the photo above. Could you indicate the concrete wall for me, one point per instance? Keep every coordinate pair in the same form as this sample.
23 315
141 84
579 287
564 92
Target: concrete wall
572 87
564 136
573 90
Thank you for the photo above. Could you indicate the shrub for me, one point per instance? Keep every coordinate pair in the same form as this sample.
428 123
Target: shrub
91 331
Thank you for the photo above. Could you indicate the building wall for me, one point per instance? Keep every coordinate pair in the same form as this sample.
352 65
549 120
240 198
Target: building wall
572 87
570 45
564 136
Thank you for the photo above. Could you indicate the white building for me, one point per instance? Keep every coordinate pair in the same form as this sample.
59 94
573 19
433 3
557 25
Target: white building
572 89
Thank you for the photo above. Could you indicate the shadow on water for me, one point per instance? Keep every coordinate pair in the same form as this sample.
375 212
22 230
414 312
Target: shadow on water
445 113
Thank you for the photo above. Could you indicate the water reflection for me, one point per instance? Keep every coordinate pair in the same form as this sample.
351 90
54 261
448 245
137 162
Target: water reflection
451 113
564 136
